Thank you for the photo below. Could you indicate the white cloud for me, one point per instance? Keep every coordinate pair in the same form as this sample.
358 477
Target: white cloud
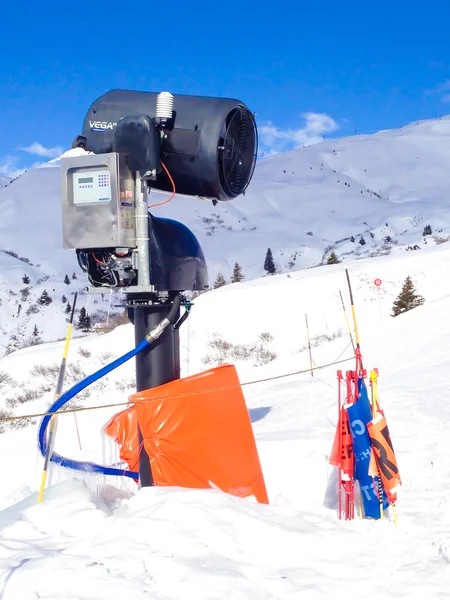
441 90
8 166
39 150
274 140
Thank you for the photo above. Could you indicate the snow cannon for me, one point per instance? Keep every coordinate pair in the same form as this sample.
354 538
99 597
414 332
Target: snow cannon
133 142
209 145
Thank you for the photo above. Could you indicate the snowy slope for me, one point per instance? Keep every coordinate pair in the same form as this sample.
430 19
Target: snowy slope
171 544
31 246
301 204
4 181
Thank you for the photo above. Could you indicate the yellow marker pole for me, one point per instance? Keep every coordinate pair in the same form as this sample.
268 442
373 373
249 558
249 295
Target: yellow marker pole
355 324
309 347
374 380
346 321
394 513
374 385
357 350
374 394
53 420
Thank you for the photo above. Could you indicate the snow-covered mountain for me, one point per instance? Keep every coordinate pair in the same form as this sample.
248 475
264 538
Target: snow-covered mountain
360 196
4 181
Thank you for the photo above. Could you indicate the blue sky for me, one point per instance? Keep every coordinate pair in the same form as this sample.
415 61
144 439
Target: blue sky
306 68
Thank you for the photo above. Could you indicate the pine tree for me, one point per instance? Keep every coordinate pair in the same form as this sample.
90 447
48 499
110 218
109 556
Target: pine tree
220 281
26 279
333 259
362 241
237 273
269 265
407 299
68 309
24 294
84 320
35 337
17 340
67 280
63 299
44 299
14 344
74 275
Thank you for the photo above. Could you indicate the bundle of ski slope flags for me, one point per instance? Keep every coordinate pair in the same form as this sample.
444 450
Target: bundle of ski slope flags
363 451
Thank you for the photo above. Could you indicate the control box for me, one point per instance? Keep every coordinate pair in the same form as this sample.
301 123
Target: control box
98 202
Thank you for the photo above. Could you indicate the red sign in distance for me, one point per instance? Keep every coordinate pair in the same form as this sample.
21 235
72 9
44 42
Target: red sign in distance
377 282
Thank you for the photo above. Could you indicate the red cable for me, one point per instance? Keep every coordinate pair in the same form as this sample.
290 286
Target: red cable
174 191
100 262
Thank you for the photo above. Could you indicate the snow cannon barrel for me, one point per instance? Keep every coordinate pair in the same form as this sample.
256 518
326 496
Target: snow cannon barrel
209 145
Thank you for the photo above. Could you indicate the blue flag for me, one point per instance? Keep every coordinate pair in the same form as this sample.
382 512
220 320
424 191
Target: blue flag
359 414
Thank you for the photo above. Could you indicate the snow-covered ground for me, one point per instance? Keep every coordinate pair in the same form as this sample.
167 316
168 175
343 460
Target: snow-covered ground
94 539
382 189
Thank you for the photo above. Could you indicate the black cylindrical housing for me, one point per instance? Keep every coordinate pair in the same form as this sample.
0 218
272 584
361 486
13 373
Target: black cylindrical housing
193 151
155 365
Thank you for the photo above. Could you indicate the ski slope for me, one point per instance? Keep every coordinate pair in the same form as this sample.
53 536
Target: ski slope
92 537
384 188
4 181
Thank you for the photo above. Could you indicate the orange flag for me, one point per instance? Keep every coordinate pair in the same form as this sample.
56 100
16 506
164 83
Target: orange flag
383 451
342 451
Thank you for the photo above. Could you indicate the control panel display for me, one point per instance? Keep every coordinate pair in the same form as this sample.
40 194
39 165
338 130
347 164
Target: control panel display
91 187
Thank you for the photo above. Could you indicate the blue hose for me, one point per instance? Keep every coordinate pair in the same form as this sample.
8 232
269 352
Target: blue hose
64 398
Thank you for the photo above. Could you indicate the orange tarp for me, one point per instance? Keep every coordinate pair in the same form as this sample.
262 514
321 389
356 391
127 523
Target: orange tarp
122 428
198 434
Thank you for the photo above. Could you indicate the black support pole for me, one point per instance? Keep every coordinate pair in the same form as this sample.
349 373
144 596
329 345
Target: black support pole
155 366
